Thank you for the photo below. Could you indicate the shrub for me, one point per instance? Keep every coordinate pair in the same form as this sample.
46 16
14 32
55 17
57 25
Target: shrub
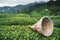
25 33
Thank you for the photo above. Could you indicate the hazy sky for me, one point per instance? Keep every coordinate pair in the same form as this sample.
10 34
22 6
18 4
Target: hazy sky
17 2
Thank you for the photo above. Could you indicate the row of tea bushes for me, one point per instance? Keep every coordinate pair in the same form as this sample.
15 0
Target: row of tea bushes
25 33
17 21
24 19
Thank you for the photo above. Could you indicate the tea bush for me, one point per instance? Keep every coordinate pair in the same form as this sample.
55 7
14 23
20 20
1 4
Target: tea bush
17 21
17 32
16 27
25 19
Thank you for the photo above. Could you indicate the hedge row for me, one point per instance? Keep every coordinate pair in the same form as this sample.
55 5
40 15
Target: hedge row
17 21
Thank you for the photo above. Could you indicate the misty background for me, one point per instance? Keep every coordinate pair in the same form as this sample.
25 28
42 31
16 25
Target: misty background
18 2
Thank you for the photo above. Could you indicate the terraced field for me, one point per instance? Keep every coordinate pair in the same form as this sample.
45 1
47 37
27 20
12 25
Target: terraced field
16 27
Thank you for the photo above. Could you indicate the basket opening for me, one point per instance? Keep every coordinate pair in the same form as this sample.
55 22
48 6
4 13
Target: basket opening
46 25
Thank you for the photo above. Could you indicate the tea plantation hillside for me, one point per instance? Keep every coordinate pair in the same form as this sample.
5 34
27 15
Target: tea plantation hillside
16 27
25 19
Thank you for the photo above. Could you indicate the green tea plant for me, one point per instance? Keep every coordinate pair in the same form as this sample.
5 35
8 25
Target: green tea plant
18 32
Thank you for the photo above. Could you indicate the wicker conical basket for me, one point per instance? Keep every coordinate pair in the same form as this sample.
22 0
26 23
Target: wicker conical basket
44 26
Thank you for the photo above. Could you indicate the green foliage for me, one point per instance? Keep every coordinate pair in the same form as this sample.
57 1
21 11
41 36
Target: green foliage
25 33
43 12
54 10
22 15
6 15
25 19
16 27
34 13
56 20
17 21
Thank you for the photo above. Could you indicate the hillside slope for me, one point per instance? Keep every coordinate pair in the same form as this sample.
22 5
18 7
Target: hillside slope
53 8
